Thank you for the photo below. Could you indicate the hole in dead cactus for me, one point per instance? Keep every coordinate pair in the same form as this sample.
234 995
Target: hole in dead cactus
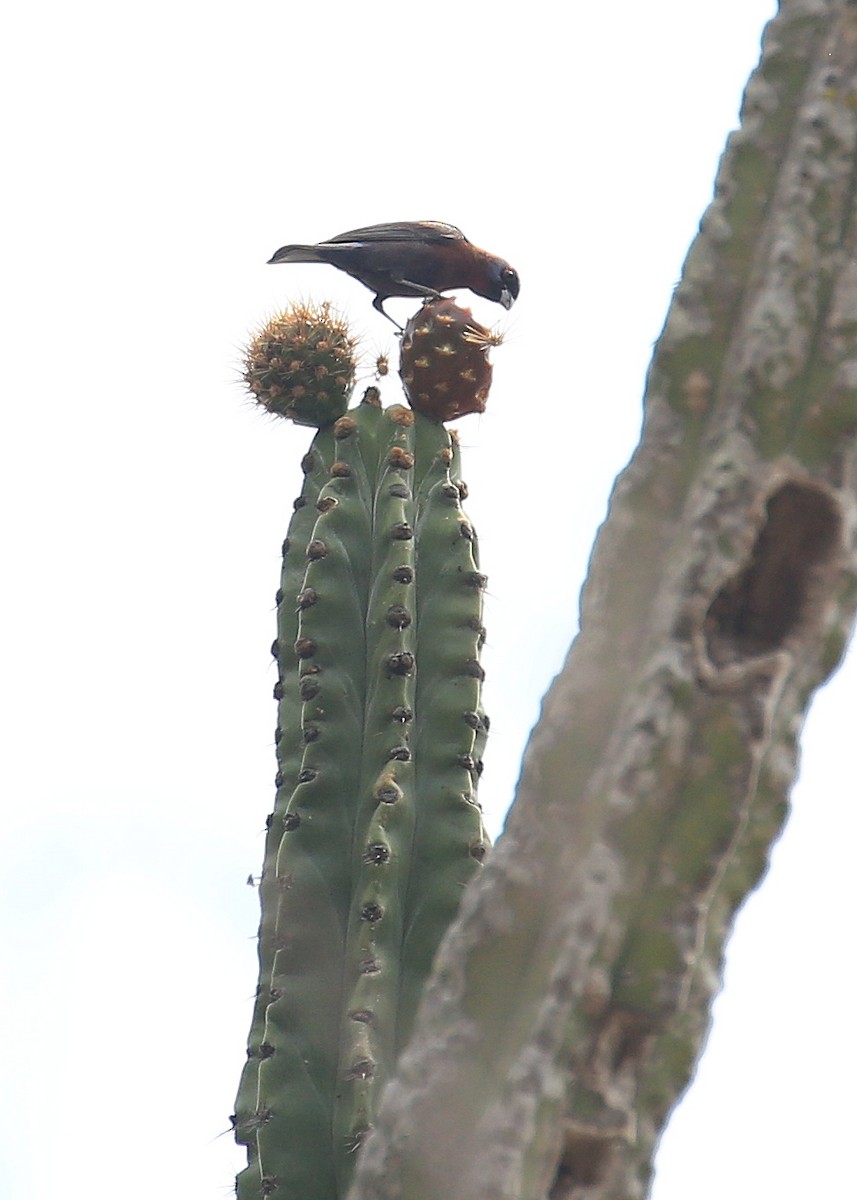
757 609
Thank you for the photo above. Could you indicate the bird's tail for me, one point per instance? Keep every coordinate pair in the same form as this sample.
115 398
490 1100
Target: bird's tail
297 254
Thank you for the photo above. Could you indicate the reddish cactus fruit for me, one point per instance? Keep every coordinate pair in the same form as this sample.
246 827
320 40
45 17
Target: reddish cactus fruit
444 365
301 365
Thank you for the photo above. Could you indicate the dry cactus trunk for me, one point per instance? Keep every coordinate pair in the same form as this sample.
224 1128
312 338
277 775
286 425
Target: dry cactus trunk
570 1000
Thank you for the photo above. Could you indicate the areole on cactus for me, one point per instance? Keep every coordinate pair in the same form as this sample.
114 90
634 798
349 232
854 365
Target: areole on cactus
376 828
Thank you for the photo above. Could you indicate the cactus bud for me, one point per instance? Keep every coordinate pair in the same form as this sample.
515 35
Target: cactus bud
301 365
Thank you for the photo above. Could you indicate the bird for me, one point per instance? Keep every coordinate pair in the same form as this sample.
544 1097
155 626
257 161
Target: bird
411 258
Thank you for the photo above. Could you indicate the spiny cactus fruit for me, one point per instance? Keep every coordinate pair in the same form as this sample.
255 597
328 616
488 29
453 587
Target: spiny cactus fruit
376 829
444 363
301 365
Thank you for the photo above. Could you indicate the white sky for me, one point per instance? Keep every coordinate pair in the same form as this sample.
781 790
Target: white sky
158 157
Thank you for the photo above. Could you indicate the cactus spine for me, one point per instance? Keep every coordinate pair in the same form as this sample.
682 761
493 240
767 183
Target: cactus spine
376 828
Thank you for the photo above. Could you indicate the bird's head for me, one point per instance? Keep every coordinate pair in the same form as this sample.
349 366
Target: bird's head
491 277
510 285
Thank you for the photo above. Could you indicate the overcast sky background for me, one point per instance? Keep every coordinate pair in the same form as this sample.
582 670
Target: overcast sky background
158 156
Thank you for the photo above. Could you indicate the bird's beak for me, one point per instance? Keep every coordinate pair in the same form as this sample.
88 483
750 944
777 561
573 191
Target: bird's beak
506 298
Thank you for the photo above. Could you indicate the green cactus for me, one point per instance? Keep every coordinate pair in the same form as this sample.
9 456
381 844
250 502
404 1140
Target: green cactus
289 753
376 828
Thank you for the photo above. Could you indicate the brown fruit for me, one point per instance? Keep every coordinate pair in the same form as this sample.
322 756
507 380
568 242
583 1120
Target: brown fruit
444 361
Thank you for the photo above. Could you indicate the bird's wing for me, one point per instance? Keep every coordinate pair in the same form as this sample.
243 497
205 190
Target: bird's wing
402 231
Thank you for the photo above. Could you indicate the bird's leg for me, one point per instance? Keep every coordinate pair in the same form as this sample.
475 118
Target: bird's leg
419 290
378 303
427 293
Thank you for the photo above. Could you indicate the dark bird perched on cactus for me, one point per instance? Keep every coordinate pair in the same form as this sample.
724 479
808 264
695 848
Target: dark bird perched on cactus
411 258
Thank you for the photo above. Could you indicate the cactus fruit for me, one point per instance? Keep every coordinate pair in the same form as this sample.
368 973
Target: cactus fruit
376 829
444 362
301 365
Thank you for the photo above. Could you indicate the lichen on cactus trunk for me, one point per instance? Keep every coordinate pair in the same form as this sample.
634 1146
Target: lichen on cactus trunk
376 828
